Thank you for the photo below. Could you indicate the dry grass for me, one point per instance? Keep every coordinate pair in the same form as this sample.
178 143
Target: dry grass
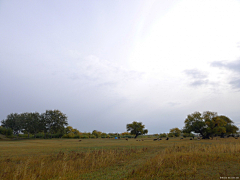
119 159
64 165
193 160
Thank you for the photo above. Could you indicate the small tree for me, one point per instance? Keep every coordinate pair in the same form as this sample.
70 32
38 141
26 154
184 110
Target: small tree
163 135
136 128
175 132
96 133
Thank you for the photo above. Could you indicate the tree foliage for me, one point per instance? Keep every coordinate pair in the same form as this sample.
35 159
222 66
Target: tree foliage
52 121
97 133
175 132
136 128
209 124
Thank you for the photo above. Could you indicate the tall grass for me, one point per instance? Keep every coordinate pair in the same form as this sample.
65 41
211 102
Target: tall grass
64 165
193 161
120 159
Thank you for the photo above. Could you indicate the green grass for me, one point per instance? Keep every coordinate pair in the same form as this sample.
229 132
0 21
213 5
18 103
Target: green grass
119 159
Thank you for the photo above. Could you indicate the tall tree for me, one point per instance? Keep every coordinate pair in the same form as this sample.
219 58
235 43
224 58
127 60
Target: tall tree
13 122
215 125
208 124
34 123
195 123
55 121
136 128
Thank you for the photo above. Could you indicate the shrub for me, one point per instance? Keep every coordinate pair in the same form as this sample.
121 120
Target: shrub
84 136
163 135
39 135
92 136
6 131
76 136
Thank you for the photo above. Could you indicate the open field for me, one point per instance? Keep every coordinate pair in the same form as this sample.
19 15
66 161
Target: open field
119 159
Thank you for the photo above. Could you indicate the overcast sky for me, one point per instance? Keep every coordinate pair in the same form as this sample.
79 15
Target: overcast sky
106 63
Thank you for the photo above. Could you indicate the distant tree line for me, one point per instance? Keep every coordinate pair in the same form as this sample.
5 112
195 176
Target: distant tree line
53 124
50 122
74 133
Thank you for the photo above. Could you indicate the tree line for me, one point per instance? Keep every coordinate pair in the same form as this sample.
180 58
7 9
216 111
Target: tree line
50 122
208 125
54 123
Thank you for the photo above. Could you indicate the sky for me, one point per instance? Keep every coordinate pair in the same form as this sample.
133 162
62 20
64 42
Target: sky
108 63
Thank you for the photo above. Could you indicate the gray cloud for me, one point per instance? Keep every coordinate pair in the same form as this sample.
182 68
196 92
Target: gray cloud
101 72
235 83
199 77
232 66
174 104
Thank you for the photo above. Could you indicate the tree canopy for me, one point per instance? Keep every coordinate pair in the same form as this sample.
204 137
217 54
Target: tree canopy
175 132
52 121
136 128
209 124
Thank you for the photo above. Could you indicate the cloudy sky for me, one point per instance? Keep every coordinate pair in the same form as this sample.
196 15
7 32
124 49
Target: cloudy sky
107 63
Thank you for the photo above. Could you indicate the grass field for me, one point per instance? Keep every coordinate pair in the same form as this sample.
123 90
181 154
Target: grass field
119 159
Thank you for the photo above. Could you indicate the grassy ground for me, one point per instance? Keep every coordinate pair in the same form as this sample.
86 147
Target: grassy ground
119 159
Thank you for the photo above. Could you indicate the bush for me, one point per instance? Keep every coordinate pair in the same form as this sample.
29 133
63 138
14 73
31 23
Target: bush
84 136
163 135
76 136
6 131
92 136
39 135
69 135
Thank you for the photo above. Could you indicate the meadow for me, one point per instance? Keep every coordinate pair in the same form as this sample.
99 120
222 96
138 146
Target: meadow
120 159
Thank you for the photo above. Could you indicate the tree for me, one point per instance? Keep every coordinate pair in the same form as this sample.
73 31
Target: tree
53 121
215 125
175 131
208 124
43 124
136 128
96 133
13 122
230 128
162 135
30 123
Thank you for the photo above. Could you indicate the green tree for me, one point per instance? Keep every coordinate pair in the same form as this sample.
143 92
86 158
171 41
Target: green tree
163 135
96 133
6 131
230 128
103 135
53 121
136 128
175 131
208 124
215 125
30 123
195 123
43 124
69 129
13 122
